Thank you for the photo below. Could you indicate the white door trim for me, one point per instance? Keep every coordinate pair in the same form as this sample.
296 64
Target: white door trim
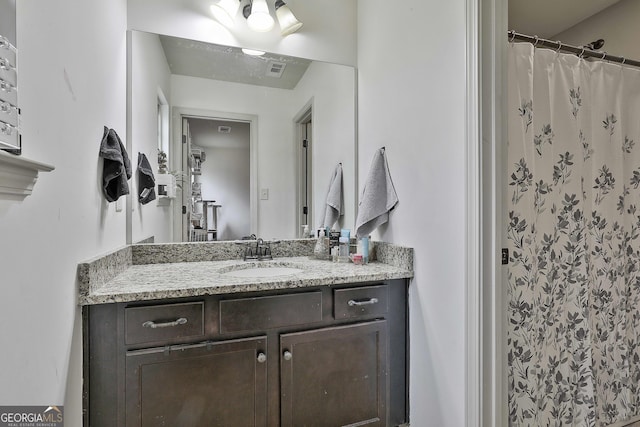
493 98
473 235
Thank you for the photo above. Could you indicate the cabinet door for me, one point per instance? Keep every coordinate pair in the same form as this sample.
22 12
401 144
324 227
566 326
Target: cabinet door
203 385
335 376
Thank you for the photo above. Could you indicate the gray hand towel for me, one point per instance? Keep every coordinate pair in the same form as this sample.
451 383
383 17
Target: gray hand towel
335 199
116 169
146 180
378 196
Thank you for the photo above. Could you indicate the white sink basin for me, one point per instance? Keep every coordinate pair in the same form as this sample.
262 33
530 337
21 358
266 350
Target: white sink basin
260 272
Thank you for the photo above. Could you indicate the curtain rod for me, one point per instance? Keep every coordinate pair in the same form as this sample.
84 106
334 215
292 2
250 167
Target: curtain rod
579 51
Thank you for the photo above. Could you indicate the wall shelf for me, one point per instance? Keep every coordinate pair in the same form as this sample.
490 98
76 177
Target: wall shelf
18 176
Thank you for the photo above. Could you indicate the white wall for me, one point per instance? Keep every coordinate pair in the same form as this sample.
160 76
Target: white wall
328 33
72 83
332 88
617 25
149 74
411 86
225 179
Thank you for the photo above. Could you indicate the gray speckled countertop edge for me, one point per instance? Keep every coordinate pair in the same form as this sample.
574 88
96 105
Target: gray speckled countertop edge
145 272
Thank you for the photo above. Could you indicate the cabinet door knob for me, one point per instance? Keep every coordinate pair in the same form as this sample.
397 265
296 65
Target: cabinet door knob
262 357
287 355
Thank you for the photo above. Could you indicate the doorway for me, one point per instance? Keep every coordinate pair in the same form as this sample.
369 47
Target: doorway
219 174
304 150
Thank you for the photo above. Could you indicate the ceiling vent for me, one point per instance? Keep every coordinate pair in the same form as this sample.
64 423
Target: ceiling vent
275 69
224 129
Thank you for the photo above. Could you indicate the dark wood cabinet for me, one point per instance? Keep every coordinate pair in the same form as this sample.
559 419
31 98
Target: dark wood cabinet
335 376
207 384
321 356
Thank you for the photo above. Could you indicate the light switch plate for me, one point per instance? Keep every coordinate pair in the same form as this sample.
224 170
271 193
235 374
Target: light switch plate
264 194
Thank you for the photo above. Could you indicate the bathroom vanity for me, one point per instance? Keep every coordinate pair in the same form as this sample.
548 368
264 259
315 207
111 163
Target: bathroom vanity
323 346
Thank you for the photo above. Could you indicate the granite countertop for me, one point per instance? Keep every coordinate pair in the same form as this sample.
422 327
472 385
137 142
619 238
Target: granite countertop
146 272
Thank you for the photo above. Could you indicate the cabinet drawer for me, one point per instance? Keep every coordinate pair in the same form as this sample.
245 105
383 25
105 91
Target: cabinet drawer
363 301
164 322
246 314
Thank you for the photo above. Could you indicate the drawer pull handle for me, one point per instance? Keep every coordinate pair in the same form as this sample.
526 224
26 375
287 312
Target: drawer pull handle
153 325
370 301
287 355
262 357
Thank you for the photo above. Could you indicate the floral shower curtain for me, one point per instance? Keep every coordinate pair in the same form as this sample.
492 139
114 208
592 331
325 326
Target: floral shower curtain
574 240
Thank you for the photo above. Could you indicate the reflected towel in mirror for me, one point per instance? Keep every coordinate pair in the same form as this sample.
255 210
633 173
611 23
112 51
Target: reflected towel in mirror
335 199
378 196
146 180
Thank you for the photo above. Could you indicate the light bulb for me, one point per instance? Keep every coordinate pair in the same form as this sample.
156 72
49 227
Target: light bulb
260 20
288 22
225 11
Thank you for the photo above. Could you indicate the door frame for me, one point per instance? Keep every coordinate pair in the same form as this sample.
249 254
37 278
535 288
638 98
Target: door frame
177 161
487 391
306 114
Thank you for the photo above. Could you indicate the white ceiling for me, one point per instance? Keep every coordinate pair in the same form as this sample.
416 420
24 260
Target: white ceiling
547 18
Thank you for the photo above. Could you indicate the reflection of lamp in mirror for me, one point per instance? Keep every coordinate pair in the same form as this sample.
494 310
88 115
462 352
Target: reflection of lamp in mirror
288 22
252 52
259 18
225 11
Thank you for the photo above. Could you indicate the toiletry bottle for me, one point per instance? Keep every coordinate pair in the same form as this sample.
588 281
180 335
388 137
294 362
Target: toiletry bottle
344 250
363 248
321 249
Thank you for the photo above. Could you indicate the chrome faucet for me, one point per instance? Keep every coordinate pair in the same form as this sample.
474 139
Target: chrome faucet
261 251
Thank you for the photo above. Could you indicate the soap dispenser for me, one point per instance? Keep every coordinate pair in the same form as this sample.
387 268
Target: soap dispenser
321 249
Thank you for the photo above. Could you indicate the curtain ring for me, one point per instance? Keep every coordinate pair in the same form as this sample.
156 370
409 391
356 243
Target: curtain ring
581 54
513 36
559 46
623 60
604 54
536 41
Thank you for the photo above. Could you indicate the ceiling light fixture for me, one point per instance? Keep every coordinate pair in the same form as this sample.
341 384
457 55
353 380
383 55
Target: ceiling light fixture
225 11
258 15
288 22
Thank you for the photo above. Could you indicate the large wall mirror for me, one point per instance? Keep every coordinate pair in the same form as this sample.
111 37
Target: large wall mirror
252 140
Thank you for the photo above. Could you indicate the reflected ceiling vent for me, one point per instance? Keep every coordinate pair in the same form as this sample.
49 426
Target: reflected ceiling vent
275 69
224 129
